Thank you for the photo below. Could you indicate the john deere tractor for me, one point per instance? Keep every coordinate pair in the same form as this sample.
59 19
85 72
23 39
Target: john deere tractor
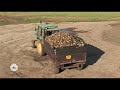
43 30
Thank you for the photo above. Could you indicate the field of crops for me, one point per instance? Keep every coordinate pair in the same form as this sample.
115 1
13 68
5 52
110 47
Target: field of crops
34 17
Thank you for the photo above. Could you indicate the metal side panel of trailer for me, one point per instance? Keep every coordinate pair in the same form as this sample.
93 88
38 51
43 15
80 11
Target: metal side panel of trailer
74 54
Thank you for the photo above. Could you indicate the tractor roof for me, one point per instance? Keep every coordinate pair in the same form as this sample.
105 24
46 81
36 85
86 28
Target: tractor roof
47 26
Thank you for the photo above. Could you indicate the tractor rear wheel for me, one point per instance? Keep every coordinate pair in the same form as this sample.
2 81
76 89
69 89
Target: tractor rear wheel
39 48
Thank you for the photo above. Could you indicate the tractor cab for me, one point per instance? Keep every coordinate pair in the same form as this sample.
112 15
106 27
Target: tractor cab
45 29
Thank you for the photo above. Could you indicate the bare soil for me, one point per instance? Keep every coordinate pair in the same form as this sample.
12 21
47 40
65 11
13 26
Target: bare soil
103 54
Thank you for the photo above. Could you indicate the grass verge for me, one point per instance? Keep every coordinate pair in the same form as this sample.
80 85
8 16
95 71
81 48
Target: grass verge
34 17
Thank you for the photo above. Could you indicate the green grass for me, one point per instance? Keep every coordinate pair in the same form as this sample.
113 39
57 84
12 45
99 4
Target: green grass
34 17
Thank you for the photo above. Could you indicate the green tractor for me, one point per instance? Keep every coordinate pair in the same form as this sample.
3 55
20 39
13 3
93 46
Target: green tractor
43 30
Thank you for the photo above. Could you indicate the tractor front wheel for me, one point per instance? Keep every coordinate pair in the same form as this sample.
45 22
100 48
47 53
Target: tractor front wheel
34 43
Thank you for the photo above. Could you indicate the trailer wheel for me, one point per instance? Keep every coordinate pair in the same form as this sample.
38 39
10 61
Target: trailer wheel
56 69
39 48
81 66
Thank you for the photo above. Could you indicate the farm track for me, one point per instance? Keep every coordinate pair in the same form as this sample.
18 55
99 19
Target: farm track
103 59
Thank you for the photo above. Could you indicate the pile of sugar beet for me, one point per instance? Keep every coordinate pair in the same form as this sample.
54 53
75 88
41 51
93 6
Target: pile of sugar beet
61 39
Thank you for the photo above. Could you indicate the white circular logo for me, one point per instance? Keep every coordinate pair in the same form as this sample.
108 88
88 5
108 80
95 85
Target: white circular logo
13 67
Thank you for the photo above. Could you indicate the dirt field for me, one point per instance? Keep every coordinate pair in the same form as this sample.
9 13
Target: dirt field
103 55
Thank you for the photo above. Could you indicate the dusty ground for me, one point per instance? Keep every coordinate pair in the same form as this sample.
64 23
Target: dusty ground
103 59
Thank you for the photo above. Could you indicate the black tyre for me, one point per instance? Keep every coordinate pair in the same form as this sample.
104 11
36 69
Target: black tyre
39 48
56 69
34 43
81 66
